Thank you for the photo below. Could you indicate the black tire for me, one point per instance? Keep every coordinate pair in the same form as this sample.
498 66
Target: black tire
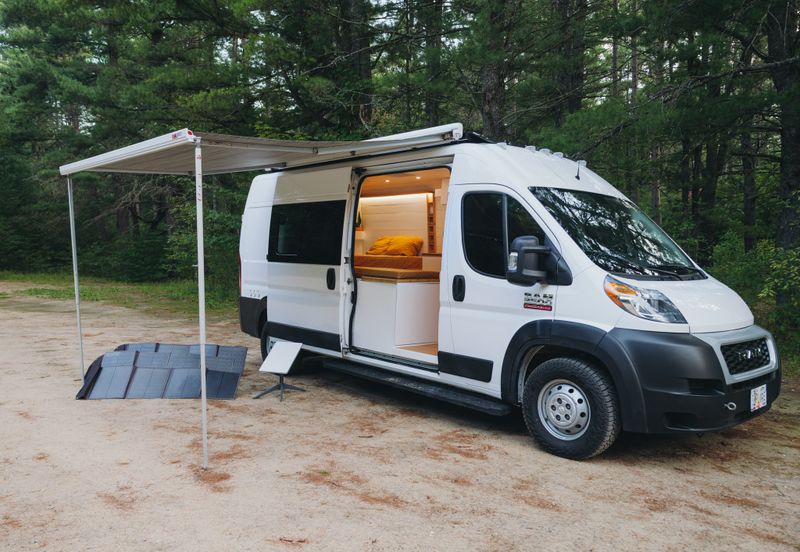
264 341
569 378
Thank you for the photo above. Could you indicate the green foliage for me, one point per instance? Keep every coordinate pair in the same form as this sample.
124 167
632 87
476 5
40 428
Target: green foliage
782 284
171 297
667 120
224 202
760 276
745 272
131 257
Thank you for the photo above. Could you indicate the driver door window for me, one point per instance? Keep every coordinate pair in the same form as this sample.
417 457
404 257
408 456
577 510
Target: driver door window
491 222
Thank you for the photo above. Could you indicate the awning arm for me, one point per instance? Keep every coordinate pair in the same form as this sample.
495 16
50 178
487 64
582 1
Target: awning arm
75 269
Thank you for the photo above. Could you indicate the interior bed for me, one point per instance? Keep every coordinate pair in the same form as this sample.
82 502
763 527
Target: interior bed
389 261
397 274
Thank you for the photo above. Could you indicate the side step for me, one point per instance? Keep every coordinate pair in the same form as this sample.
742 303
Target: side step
428 389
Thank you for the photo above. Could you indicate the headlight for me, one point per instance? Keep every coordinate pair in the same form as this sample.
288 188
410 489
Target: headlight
649 304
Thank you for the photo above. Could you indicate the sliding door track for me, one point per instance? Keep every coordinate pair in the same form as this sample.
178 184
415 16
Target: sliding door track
411 363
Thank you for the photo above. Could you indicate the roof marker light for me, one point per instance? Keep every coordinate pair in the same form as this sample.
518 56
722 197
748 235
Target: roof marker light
559 154
531 149
546 151
581 163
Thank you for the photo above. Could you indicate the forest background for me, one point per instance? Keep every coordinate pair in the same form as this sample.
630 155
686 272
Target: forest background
690 107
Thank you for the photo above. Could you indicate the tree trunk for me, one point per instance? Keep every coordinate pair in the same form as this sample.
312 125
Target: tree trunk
492 73
655 186
433 59
355 41
615 55
362 66
634 185
782 45
634 61
686 174
697 171
749 189
571 15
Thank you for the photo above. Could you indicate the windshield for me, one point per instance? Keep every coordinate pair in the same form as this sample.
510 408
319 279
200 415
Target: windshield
616 235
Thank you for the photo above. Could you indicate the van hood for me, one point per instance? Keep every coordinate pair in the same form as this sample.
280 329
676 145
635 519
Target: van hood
708 305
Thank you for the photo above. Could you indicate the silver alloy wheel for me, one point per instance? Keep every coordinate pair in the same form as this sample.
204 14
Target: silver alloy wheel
564 409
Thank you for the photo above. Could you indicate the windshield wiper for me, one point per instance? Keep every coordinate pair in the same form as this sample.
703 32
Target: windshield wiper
637 268
691 270
661 270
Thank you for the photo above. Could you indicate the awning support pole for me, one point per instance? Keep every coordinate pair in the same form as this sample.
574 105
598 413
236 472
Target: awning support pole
75 270
201 292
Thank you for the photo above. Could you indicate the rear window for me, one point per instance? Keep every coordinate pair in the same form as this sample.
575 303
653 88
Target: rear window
307 233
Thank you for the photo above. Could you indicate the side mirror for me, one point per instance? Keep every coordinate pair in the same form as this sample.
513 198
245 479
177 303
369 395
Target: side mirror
525 260
529 263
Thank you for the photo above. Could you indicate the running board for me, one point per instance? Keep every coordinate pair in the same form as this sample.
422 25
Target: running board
428 389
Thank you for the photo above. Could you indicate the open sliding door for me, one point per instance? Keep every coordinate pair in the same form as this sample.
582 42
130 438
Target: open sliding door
305 252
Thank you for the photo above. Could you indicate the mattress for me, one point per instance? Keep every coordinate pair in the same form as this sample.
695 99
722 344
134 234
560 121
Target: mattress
389 261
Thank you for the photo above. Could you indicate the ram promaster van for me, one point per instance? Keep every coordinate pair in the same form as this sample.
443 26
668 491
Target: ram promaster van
495 277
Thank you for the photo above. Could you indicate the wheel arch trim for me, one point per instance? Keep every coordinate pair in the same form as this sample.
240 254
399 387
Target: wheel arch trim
587 341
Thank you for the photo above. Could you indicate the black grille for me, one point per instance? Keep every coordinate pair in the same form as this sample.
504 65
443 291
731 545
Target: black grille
746 356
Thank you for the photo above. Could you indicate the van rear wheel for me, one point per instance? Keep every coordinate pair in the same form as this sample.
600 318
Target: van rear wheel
570 408
264 342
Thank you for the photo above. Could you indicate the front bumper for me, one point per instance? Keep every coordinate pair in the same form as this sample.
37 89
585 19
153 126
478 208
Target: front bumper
685 383
671 411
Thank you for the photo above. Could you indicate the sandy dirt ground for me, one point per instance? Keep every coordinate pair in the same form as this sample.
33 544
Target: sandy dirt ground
348 465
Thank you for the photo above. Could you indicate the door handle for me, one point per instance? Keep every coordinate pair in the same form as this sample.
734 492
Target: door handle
459 288
330 278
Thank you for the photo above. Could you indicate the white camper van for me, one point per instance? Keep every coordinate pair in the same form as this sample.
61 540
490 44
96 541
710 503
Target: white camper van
496 277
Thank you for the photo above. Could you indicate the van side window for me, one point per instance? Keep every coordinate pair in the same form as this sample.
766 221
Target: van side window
491 221
307 233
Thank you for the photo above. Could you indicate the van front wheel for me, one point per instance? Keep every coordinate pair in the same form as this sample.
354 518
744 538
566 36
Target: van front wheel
570 408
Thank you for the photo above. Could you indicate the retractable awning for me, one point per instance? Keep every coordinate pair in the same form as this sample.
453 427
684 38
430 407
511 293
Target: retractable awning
173 153
184 152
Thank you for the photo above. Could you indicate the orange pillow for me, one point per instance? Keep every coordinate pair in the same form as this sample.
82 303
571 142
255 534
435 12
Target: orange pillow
408 246
380 246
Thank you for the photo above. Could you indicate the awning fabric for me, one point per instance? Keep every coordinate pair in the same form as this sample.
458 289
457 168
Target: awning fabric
174 153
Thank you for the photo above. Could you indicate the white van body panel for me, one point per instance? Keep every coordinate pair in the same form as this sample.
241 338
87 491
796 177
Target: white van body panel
577 304
298 293
708 305
255 235
493 311
522 168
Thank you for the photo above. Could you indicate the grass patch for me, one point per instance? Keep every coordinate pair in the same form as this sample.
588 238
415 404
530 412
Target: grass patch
791 365
170 297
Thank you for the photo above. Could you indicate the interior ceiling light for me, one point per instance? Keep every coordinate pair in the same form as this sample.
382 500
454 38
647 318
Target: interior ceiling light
418 177
387 180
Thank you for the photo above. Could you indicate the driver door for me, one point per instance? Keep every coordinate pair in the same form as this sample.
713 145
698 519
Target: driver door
484 309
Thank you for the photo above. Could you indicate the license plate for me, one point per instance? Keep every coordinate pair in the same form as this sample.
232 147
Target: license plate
758 397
